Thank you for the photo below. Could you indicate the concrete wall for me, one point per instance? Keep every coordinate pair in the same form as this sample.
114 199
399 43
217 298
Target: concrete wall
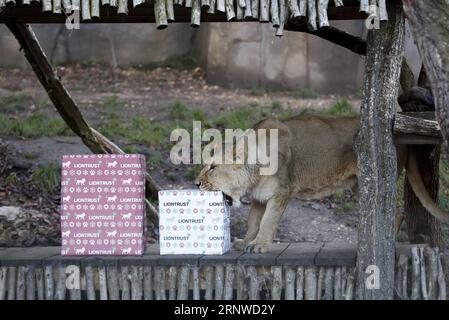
248 55
244 55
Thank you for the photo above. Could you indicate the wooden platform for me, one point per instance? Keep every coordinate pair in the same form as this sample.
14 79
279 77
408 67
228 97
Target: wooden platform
290 271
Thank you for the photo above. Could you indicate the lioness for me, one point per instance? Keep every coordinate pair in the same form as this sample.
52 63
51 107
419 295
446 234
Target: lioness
316 158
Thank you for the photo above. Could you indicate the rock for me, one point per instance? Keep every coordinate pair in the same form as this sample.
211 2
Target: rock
9 213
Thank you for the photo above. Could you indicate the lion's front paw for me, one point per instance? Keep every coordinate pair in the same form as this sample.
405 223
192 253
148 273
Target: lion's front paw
239 244
258 247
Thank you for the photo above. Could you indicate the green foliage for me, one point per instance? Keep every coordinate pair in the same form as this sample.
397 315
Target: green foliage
342 108
47 178
305 93
35 125
112 102
15 103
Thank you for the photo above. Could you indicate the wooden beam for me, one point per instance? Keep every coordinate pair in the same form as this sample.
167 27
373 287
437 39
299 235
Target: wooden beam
416 123
376 157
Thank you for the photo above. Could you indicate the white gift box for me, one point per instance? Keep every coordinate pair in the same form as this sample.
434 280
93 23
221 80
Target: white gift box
193 222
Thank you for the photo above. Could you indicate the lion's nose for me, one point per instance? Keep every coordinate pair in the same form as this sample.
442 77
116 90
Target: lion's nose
198 183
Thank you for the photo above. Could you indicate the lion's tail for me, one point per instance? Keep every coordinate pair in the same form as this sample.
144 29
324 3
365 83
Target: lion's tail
418 187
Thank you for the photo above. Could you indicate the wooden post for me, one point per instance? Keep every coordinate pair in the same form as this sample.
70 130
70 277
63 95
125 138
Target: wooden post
377 156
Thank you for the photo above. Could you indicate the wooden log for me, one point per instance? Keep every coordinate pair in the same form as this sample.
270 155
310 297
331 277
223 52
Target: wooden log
49 282
248 14
383 14
290 276
411 123
156 283
322 13
254 284
172 273
123 7
160 14
302 5
242 287
113 283
195 14
398 280
274 13
229 282
239 12
283 17
67 6
170 11
311 12
209 275
364 6
147 283
188 3
138 3
3 275
264 11
162 286
349 293
47 5
136 282
126 285
102 280
196 283
337 284
211 9
85 10
424 289
205 4
90 282
31 283
20 284
230 12
255 9
12 283
219 282
328 284
76 6
221 6
105 2
338 3
432 272
183 283
415 294
294 9
60 290
300 283
344 280
276 286
320 283
113 3
403 263
57 7
95 8
310 283
442 294
376 156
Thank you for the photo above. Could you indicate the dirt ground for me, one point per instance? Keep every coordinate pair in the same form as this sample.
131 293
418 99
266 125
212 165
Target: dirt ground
129 94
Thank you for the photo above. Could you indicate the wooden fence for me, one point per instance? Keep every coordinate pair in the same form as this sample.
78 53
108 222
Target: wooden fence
301 271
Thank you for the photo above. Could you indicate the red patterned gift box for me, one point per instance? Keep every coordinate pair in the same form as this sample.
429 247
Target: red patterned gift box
103 204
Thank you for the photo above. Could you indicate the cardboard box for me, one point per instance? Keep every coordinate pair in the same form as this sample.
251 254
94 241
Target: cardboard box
193 222
102 204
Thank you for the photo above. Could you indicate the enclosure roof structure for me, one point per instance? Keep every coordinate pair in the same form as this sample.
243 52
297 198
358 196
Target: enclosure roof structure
314 13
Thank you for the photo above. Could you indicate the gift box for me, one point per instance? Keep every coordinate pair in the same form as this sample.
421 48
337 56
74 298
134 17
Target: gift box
193 222
102 204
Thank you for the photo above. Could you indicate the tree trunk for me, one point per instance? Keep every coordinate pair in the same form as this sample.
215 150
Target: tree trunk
377 156
428 22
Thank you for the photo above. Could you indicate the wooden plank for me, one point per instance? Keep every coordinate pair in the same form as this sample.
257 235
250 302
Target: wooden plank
337 254
263 259
27 256
413 123
40 287
3 275
12 283
299 254
230 257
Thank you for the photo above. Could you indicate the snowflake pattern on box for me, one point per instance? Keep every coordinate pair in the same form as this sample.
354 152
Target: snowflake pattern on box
102 204
193 222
